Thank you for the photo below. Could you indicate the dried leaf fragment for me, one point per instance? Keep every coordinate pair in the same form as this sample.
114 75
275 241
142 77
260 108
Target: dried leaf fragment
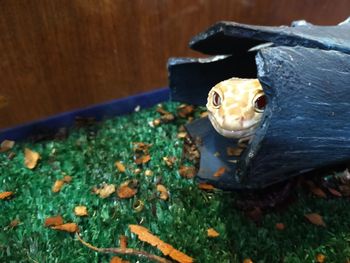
106 190
320 258
163 192
123 242
144 235
315 190
220 172
315 219
54 221
30 158
80 210
5 195
212 232
67 179
57 186
68 227
187 172
334 192
120 166
14 223
143 159
169 161
280 226
231 151
182 135
6 145
247 260
185 110
127 189
205 186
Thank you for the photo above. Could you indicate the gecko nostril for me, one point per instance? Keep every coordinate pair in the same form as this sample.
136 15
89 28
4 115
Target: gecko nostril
216 99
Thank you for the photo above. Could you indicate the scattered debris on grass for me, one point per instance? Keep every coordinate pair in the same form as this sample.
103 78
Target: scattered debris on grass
80 210
315 219
168 250
320 258
148 172
30 158
14 223
105 191
124 251
138 206
169 161
187 172
128 189
205 186
163 192
54 221
6 145
57 186
67 227
211 232
280 226
5 195
123 242
120 166
185 111
143 159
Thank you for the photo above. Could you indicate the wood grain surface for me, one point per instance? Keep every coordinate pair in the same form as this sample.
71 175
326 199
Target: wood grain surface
59 55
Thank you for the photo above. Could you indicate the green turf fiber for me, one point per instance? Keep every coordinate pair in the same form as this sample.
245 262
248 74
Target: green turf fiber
182 221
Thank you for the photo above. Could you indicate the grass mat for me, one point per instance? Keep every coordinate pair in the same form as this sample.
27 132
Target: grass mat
182 221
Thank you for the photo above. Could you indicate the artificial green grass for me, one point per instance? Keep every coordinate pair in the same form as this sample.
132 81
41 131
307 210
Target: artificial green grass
182 221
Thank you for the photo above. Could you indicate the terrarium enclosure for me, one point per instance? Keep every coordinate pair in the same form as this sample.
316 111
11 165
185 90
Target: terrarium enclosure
96 160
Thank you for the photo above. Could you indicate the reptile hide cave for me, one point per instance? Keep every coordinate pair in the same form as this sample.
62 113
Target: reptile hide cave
305 73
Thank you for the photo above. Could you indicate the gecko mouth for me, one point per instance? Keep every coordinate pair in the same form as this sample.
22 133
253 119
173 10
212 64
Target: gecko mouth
239 133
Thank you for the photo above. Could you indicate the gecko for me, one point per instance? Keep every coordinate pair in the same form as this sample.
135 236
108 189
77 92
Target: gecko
235 107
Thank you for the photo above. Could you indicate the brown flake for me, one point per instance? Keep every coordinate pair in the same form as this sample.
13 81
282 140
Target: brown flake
187 172
54 221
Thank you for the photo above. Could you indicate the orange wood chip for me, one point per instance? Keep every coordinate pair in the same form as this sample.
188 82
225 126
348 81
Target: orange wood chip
315 219
30 158
163 192
106 190
220 172
54 221
143 159
127 189
120 166
6 145
80 210
14 223
144 235
67 179
205 186
334 192
57 186
212 232
68 227
280 226
123 242
187 172
320 258
5 195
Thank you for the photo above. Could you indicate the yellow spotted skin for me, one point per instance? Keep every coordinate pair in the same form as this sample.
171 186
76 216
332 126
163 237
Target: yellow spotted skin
232 107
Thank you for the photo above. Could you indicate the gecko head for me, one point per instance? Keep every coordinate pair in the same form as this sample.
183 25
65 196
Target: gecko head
235 107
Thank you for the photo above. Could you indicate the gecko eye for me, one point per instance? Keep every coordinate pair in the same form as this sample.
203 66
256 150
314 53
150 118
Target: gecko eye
260 103
216 99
